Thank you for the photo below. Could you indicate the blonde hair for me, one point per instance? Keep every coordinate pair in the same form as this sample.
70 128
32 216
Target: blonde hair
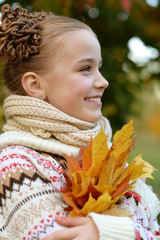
28 40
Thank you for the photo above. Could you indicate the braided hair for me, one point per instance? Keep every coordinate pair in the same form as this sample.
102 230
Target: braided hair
19 33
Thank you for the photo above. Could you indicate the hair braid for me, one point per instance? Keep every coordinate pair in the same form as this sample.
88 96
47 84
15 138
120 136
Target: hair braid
19 33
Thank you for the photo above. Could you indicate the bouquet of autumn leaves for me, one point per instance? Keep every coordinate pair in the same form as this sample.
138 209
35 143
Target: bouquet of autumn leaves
98 177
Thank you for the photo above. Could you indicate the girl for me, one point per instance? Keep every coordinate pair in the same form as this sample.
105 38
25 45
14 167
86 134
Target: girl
53 71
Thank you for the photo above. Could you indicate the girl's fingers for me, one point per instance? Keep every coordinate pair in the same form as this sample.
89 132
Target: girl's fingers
71 221
66 234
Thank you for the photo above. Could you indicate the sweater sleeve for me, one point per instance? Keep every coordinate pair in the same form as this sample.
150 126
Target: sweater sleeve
143 205
29 194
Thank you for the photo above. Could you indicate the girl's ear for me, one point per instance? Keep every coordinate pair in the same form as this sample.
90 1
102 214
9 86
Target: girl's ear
32 84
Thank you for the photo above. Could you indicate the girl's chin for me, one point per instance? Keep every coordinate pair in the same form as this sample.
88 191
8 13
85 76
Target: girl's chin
94 118
88 115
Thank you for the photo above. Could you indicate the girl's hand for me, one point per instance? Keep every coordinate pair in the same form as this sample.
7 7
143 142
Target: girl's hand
79 228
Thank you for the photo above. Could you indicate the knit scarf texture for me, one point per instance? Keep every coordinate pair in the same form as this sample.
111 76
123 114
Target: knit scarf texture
40 118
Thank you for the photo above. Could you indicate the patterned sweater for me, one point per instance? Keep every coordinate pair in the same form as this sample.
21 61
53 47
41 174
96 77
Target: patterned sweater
30 199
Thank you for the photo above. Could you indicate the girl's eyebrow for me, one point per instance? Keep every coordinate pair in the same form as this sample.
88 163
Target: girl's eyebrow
91 60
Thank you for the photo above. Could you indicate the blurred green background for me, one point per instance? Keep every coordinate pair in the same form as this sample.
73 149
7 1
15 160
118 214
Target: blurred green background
129 33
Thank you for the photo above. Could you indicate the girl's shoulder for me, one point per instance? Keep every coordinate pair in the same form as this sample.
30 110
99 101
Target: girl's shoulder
15 157
16 152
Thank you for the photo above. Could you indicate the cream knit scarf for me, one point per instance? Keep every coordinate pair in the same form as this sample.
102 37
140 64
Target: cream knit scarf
40 118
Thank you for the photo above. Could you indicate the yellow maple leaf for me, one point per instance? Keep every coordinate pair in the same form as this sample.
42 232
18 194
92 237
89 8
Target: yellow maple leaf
99 153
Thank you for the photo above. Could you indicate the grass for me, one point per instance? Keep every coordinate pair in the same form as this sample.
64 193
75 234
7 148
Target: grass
150 149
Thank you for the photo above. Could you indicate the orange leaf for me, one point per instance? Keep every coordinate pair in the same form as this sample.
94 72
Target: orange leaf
87 157
95 193
72 163
68 183
121 187
67 197
81 200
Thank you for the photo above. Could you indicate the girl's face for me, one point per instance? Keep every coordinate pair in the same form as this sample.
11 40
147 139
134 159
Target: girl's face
75 84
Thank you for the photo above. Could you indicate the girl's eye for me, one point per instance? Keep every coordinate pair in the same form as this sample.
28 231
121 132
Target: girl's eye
101 69
86 69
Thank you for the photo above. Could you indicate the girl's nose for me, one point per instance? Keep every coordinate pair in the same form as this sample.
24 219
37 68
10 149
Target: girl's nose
101 82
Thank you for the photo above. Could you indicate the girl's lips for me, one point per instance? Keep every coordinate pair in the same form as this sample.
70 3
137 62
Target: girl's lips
95 99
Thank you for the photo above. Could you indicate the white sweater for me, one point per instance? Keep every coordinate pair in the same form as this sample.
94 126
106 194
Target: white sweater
30 198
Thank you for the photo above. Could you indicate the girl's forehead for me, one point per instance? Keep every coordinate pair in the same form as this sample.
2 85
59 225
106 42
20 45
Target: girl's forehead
82 35
81 40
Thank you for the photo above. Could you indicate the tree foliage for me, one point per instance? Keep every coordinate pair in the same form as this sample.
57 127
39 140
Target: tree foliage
115 23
